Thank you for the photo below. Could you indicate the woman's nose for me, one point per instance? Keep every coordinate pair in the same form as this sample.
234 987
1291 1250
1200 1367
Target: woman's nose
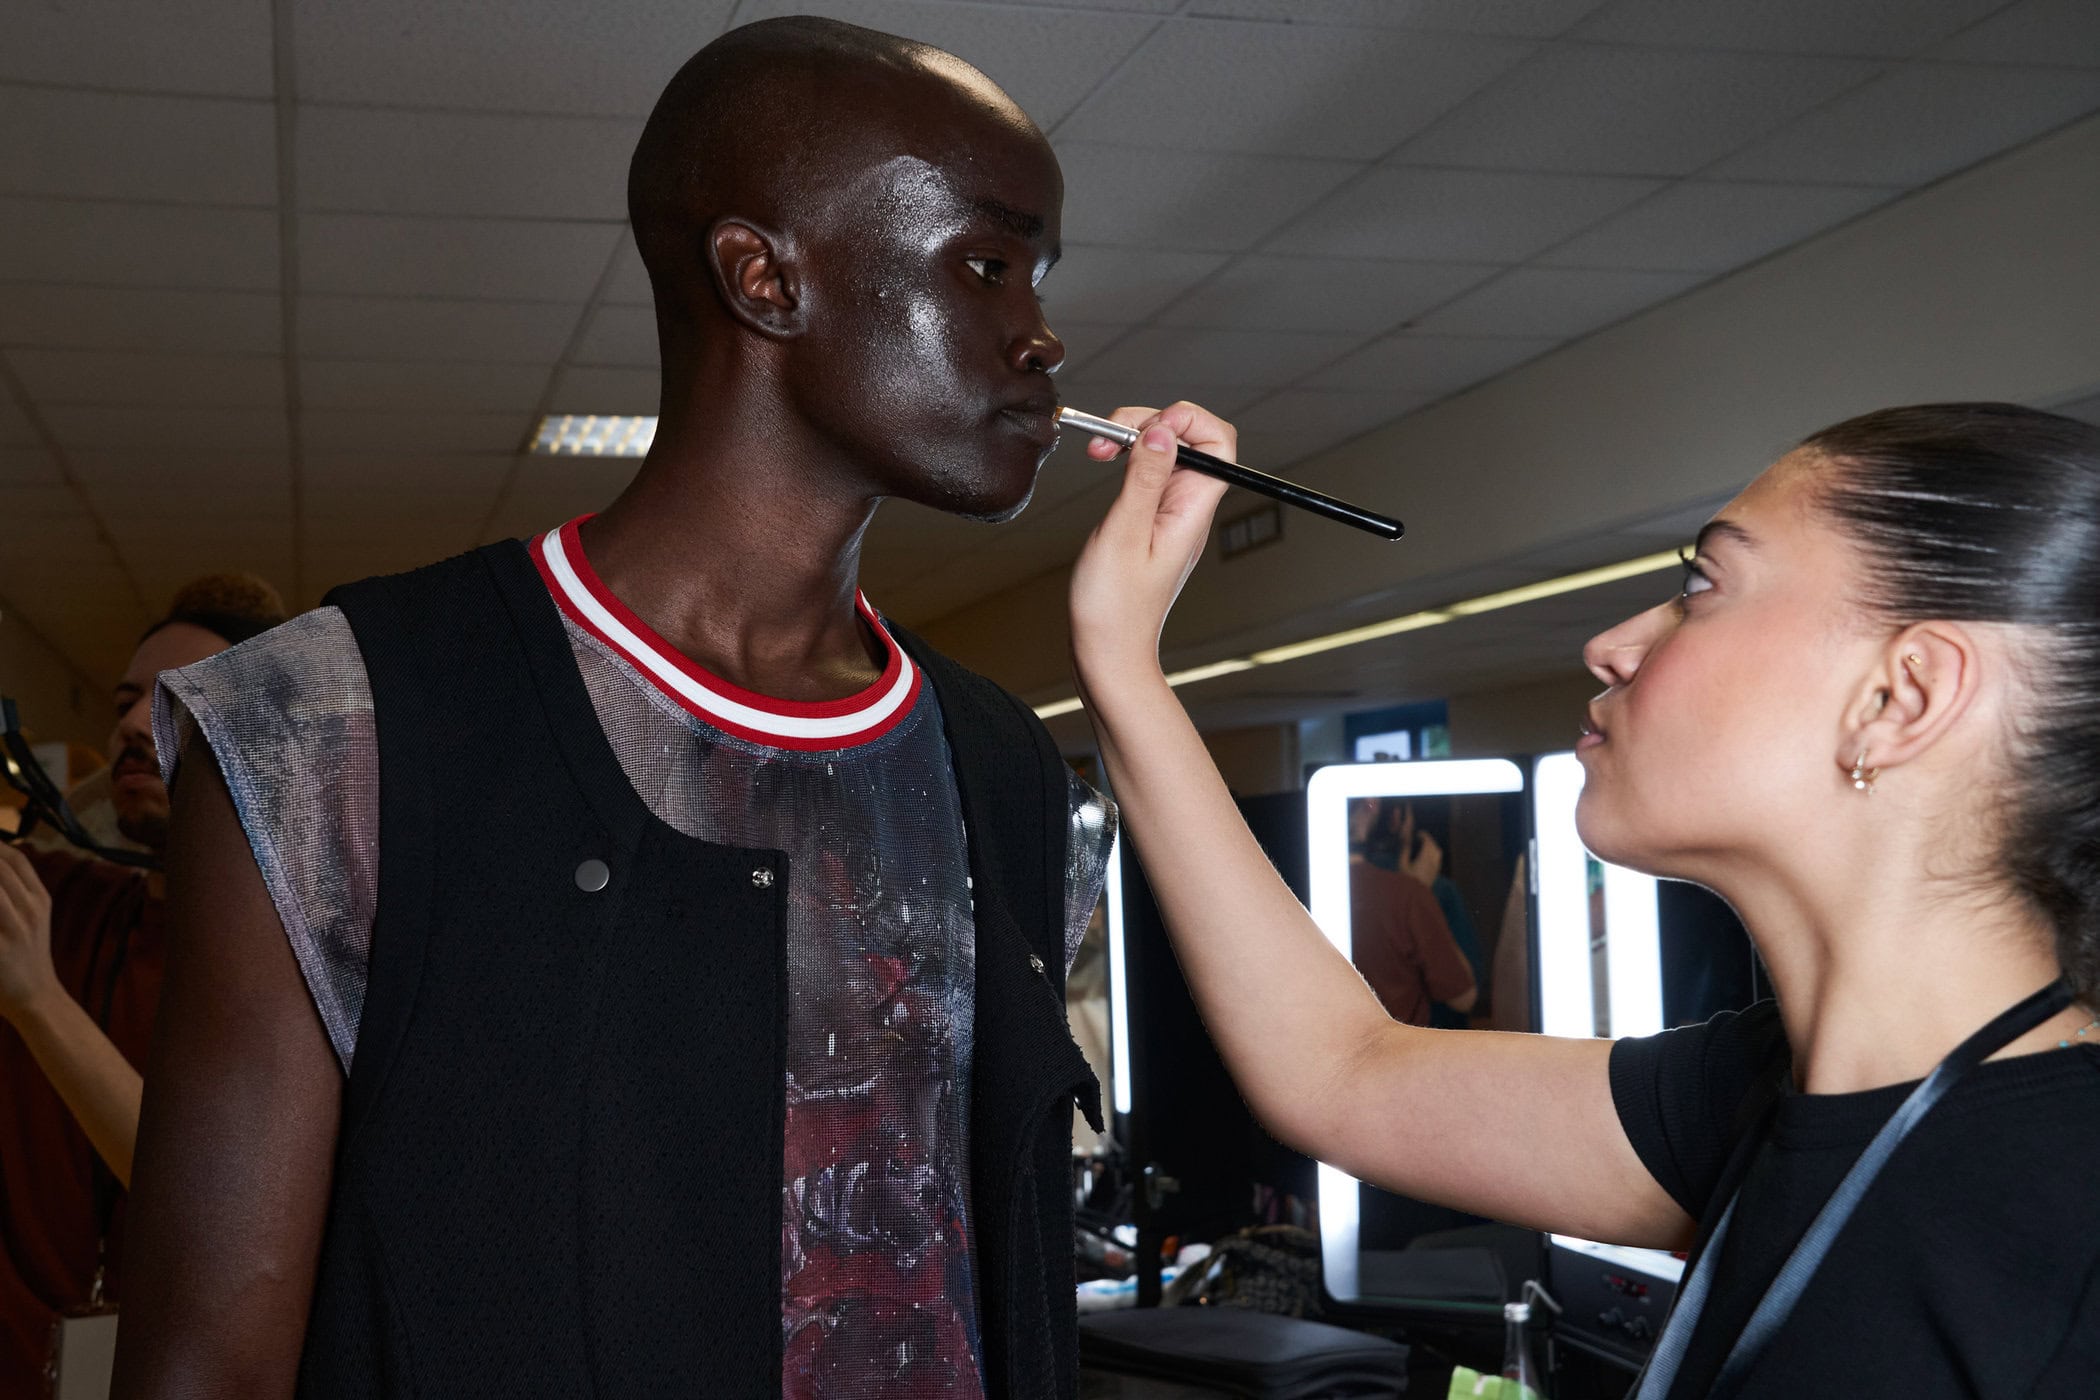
1614 656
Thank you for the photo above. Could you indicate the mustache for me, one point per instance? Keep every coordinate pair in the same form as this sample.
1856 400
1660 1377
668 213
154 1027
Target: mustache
139 756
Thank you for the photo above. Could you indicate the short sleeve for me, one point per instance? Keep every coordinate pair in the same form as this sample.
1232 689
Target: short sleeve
288 716
1090 840
1680 1096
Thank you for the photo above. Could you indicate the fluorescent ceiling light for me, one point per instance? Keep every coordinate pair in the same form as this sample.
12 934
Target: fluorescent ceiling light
593 435
1409 622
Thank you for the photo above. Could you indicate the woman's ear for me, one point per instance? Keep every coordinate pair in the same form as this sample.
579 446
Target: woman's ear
755 273
1921 682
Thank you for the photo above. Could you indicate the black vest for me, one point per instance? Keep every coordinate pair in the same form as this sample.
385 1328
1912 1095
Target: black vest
561 1151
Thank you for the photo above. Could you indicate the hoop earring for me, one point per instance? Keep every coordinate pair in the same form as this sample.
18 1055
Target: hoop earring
1862 776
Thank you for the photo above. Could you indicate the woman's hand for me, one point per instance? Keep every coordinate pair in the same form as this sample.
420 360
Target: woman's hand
1142 552
26 974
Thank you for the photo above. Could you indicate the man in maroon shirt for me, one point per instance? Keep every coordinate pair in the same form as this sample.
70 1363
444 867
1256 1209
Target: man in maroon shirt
80 975
1398 937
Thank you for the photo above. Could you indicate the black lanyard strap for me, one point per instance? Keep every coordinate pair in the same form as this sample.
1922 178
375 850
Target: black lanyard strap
1793 1277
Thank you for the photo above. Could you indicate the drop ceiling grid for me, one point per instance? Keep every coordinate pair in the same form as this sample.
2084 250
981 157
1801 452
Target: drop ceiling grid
451 200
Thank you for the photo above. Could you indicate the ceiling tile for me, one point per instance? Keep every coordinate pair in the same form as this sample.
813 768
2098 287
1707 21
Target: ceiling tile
1890 28
366 328
194 429
1128 196
37 504
1327 415
1083 340
1116 285
1221 85
15 429
1669 112
1706 226
212 46
139 245
201 470
1458 215
1322 294
1555 301
619 335
629 284
2032 31
1920 122
102 318
421 385
510 260
27 466
1047 58
591 389
366 430
390 162
101 145
1539 19
475 54
1175 354
1102 395
348 493
179 496
118 377
1429 364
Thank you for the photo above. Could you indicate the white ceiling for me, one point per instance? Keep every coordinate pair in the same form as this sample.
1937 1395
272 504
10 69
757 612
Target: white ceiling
284 286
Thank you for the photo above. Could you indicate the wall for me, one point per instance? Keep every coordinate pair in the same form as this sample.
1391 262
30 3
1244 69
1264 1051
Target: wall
56 701
1257 761
1539 717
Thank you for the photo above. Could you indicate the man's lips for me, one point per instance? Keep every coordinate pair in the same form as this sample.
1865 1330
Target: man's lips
1035 416
1592 733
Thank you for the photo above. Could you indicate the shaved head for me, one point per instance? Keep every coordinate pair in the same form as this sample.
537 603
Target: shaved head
775 121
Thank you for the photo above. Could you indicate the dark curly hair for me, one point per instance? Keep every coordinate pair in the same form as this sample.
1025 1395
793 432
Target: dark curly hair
1990 512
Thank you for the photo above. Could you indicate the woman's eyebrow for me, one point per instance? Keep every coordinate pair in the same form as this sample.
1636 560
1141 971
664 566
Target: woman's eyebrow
1723 530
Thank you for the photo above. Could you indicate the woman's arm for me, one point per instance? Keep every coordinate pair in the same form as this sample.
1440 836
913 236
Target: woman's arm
1521 1128
91 1075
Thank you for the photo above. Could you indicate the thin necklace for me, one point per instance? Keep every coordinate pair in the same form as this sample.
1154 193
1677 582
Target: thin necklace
2078 1034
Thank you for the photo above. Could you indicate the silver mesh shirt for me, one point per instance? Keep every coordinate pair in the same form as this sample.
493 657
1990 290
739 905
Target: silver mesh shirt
877 1278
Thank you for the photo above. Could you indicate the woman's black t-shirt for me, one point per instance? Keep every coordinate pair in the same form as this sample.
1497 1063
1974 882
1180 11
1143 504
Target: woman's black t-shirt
1971 1268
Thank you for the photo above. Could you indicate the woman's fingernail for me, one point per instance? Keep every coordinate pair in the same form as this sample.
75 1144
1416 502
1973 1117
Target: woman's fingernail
1158 439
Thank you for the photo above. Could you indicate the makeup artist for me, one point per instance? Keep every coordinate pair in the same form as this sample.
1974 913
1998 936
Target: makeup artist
1871 720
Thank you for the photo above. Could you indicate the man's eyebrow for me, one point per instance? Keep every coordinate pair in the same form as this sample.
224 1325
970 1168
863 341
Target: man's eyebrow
1019 220
1723 530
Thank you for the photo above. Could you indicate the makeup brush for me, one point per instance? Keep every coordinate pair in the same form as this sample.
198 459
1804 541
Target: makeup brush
1275 487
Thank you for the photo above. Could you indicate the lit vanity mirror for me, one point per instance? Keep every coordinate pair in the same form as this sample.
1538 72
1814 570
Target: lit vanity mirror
1414 875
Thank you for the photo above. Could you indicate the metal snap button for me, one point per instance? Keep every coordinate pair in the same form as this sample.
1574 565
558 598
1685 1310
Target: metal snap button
1035 962
762 878
593 876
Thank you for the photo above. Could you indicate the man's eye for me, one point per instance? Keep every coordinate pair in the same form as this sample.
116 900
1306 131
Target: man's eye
991 270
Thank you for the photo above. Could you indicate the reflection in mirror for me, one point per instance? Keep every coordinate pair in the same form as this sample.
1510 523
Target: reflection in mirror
1413 868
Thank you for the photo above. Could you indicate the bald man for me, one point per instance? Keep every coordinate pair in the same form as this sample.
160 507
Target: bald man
622 963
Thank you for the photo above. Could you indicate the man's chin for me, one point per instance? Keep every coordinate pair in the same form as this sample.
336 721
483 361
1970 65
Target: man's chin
144 826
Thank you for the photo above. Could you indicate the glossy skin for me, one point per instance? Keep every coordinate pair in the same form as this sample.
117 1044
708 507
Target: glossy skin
1722 752
846 308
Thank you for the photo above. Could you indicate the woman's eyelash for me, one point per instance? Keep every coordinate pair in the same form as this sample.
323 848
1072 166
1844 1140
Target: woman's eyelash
1692 574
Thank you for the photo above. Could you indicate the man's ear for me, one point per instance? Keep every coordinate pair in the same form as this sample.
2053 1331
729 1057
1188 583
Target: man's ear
1921 683
755 274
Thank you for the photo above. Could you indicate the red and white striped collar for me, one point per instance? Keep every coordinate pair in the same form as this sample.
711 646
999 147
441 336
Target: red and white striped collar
761 719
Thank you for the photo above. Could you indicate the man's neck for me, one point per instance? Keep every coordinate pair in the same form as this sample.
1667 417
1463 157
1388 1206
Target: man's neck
745 564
